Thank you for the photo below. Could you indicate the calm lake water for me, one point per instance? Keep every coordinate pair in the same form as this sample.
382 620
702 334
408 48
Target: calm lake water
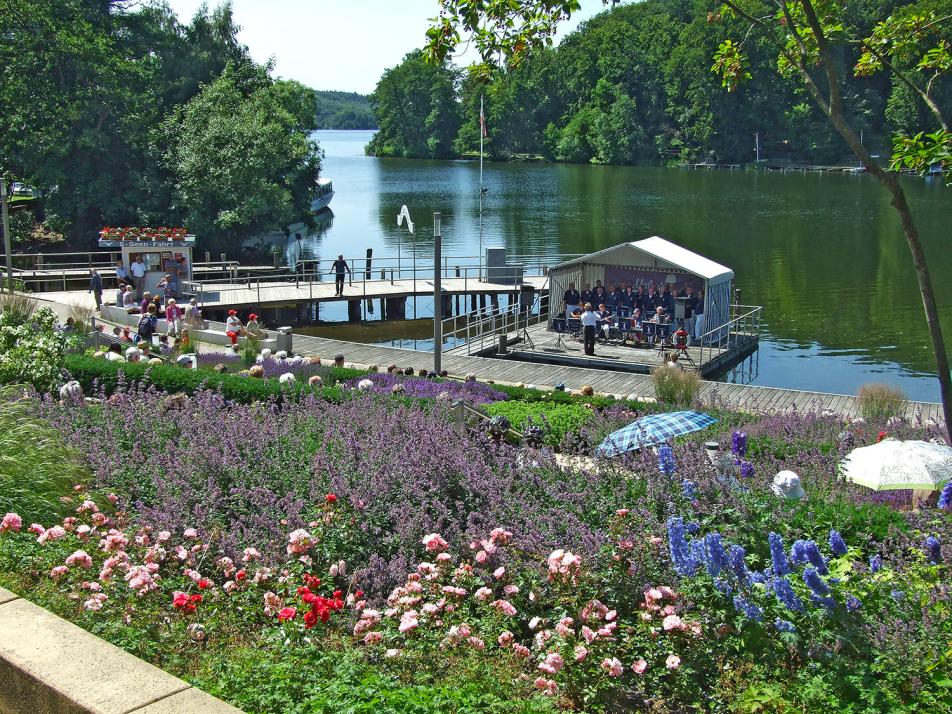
823 253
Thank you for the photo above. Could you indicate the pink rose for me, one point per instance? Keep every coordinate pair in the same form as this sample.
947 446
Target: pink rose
499 572
11 522
672 622
58 571
552 663
505 638
613 666
434 542
639 666
672 662
581 652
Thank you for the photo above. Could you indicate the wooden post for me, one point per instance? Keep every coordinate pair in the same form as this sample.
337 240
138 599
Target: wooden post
458 297
353 310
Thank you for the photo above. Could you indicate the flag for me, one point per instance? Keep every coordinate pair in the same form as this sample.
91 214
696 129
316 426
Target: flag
482 120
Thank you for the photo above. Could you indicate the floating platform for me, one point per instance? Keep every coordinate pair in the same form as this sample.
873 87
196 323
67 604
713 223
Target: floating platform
543 346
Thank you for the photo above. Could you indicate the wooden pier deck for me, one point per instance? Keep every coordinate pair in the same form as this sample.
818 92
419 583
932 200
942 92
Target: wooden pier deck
258 294
544 347
751 398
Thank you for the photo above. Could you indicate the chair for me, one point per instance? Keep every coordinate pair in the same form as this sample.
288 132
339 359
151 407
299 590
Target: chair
664 332
574 325
650 331
558 326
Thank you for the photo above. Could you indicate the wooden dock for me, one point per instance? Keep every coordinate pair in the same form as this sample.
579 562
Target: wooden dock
258 293
544 346
751 398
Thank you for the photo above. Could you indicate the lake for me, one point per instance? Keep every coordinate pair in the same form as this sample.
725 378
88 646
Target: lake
823 253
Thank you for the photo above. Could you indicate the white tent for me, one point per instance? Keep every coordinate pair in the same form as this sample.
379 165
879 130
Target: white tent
657 260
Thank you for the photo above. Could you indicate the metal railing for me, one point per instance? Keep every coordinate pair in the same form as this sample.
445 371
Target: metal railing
743 327
480 331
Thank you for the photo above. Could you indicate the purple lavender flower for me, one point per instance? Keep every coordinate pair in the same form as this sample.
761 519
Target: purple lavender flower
748 609
739 443
933 547
785 594
471 392
784 625
666 463
815 582
945 498
837 544
777 554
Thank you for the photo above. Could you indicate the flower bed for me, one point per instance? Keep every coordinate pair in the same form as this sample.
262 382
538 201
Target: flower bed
302 555
471 392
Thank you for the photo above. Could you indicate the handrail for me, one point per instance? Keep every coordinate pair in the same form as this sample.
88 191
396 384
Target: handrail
724 337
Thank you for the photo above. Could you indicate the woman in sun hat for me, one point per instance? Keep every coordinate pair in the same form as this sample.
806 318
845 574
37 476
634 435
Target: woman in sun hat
233 328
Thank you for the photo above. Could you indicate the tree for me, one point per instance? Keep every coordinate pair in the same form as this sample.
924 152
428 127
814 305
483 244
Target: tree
242 162
811 39
417 110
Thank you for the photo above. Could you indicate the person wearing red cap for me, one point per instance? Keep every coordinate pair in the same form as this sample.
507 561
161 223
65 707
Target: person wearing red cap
233 328
253 328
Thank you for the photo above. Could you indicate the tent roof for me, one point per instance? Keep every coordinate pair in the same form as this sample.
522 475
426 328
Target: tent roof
652 251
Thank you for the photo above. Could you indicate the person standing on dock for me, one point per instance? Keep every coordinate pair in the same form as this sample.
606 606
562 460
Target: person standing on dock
571 300
138 276
338 268
589 319
95 287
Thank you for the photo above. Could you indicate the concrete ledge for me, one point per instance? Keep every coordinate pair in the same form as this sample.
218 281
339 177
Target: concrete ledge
50 665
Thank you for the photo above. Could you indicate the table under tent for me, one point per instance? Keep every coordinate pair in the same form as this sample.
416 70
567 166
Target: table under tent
643 263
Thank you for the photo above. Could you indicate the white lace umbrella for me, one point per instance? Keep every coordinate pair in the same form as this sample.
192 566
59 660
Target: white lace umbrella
893 465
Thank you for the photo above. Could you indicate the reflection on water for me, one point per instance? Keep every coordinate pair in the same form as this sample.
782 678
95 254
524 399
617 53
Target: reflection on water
823 253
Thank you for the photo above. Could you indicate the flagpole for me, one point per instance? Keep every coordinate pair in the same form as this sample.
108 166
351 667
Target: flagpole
482 131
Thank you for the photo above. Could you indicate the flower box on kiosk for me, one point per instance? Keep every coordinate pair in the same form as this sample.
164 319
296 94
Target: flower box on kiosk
163 250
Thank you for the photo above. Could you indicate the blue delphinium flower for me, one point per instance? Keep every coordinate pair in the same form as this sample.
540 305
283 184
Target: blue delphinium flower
813 580
739 443
757 576
777 554
875 563
945 498
798 552
746 469
666 460
687 488
692 527
853 603
715 557
748 609
679 548
723 586
785 594
898 594
837 544
738 565
933 548
784 625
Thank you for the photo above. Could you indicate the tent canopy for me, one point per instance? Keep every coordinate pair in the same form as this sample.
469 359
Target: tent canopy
656 252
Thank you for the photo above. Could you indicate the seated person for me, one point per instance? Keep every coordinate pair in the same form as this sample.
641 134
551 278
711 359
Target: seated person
577 312
129 300
193 315
605 319
661 316
253 328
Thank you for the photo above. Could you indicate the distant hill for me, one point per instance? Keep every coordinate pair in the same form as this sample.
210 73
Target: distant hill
343 110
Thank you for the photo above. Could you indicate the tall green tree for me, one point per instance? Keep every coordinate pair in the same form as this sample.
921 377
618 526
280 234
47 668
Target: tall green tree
417 109
241 157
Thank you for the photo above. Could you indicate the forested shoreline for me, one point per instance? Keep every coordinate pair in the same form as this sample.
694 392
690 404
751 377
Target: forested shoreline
344 110
635 84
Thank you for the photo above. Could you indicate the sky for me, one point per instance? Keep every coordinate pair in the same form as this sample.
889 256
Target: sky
339 44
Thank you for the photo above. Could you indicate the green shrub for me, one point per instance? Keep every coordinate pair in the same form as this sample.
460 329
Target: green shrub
32 349
556 419
878 401
95 374
36 466
524 394
675 386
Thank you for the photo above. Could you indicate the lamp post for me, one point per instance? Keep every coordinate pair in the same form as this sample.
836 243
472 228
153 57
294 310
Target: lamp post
437 295
6 234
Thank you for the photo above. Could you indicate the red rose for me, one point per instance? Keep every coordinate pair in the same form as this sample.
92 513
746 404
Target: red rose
241 575
179 599
203 583
286 614
882 435
330 498
196 598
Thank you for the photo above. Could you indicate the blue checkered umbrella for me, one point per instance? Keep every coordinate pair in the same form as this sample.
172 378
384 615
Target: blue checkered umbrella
653 429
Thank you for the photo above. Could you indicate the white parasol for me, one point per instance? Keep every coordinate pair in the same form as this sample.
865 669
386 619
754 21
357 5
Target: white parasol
893 465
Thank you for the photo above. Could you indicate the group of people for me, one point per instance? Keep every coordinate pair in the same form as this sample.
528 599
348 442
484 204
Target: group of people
609 305
235 329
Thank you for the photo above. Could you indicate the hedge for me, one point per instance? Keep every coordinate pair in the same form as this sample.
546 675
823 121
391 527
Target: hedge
556 420
95 374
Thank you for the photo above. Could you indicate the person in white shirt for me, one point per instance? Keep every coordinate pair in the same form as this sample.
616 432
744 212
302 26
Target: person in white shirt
138 276
589 319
